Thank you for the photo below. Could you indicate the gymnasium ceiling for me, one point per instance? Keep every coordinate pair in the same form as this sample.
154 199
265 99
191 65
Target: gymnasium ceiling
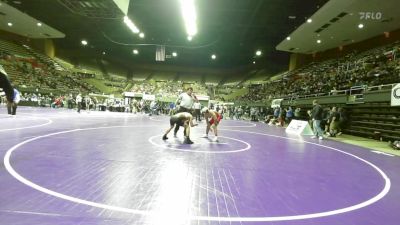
337 24
231 29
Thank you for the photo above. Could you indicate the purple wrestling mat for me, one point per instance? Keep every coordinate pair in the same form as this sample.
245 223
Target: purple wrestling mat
61 167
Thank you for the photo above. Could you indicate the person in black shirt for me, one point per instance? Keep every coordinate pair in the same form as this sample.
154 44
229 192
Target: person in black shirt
6 85
9 91
183 119
316 116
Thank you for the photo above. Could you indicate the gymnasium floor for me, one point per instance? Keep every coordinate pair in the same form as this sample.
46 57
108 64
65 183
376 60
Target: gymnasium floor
61 167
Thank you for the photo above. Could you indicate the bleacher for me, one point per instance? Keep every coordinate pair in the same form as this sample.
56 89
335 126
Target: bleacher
14 49
374 120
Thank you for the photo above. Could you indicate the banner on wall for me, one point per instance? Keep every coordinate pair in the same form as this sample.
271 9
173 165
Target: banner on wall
276 102
395 95
299 127
203 97
149 97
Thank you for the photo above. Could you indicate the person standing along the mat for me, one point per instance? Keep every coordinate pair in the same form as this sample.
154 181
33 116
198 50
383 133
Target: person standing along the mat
185 102
316 116
212 119
79 102
184 119
10 92
197 109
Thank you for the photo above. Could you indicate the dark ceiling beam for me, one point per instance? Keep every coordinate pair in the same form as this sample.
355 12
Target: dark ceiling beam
150 76
177 76
224 79
246 78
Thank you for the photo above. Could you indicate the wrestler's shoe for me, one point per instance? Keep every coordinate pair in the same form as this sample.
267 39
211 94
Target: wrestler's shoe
188 141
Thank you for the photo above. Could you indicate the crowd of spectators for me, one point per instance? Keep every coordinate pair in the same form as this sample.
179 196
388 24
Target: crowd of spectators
374 67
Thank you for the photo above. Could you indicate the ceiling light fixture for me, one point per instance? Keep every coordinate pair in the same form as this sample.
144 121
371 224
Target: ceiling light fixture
258 52
174 54
213 56
189 16
84 42
361 26
319 41
288 38
189 38
141 35
309 20
9 24
131 25
135 51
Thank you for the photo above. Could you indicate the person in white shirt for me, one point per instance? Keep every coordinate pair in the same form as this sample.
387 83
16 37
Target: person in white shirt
79 102
197 108
185 102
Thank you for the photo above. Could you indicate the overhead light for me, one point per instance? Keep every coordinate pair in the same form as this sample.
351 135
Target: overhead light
9 24
135 51
84 42
189 16
319 41
258 52
288 38
213 56
104 53
39 24
309 20
131 25
189 38
254 62
174 54
361 26
141 35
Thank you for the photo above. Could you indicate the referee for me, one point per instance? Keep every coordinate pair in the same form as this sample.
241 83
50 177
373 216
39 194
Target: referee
185 102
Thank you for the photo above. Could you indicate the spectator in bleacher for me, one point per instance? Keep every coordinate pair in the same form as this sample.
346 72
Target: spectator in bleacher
316 116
